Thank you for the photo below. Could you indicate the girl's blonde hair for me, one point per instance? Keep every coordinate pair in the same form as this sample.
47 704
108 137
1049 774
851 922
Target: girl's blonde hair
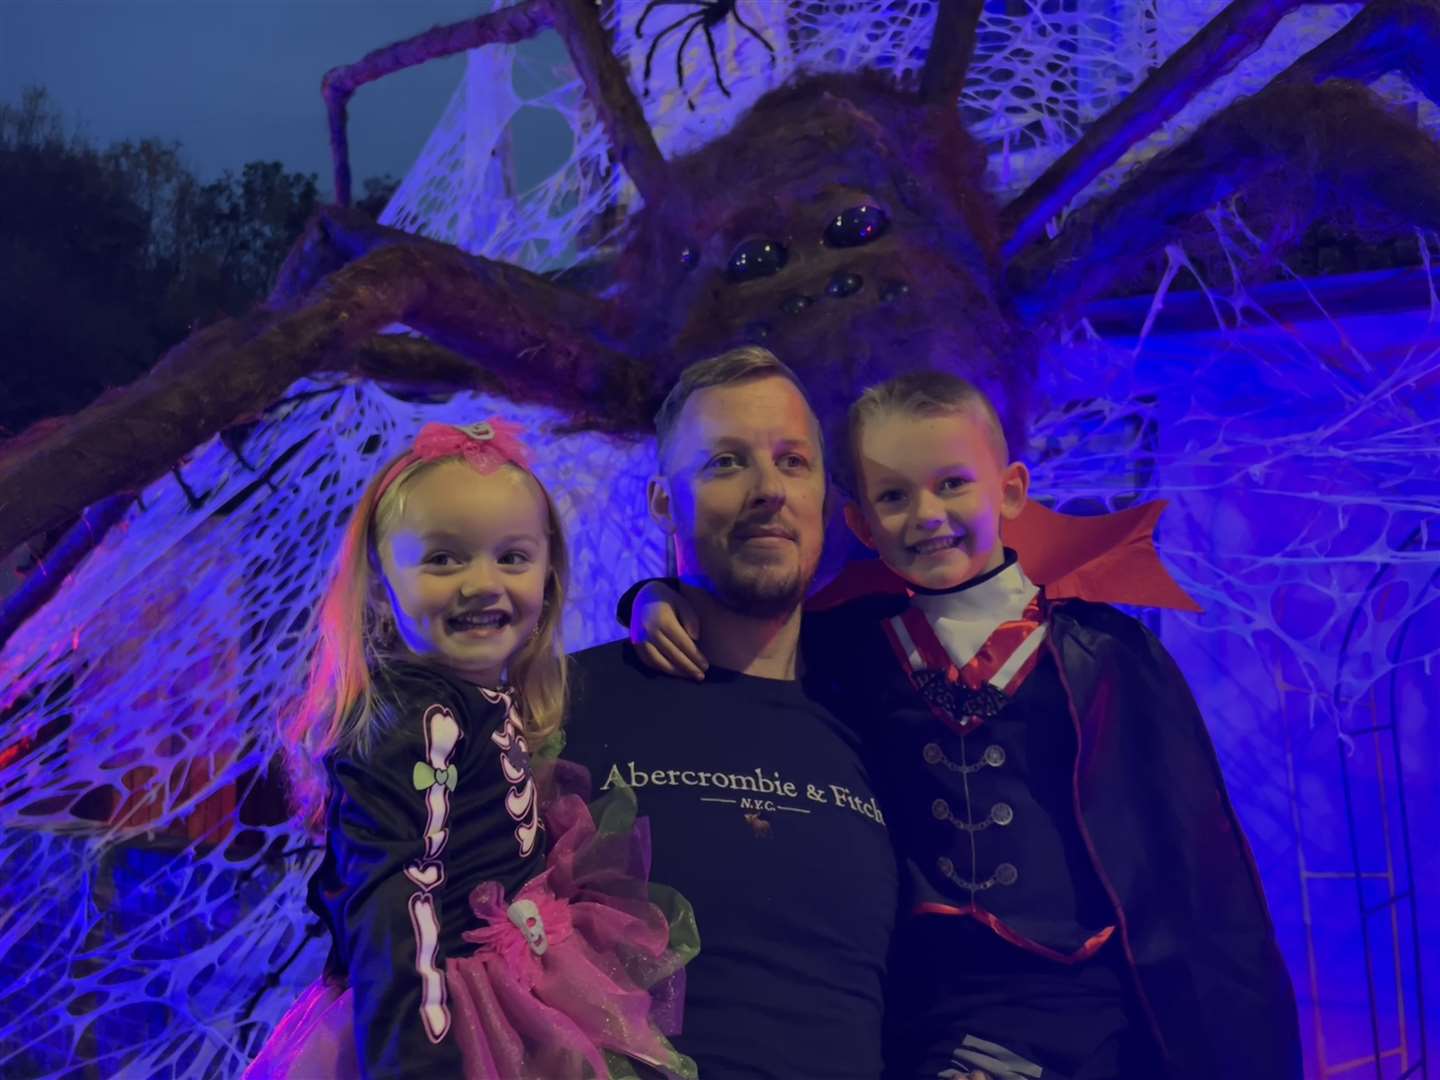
342 708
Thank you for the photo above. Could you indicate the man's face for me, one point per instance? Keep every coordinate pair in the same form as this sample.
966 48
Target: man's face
933 495
743 493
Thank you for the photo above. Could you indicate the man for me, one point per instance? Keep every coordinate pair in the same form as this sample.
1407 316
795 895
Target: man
762 814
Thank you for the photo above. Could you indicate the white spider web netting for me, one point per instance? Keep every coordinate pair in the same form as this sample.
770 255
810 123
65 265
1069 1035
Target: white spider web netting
151 913
1042 73
1293 428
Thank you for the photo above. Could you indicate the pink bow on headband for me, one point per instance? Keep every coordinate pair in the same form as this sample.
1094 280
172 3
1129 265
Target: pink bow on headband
484 446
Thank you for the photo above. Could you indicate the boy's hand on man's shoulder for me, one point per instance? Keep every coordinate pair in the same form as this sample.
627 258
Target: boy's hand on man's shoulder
664 629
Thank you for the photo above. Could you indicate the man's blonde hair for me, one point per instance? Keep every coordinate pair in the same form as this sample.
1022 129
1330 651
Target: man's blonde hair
740 365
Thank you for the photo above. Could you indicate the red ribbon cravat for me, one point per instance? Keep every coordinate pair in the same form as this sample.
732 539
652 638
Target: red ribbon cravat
1003 662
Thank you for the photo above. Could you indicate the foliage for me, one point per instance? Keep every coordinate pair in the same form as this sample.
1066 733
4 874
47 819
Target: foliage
77 282
112 255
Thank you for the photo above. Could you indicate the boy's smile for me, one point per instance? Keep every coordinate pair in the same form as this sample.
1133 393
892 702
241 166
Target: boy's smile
932 495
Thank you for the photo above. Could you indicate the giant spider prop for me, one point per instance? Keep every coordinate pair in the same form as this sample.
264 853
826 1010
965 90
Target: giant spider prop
843 222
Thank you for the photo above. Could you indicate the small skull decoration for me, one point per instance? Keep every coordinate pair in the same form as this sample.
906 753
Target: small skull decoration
525 914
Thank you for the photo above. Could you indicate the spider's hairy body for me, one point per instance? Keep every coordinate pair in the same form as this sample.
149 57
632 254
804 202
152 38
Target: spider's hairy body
802 155
843 221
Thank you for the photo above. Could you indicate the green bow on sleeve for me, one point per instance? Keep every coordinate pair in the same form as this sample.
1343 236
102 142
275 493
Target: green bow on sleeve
425 777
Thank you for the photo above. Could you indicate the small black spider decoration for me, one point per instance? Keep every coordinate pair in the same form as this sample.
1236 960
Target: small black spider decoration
707 15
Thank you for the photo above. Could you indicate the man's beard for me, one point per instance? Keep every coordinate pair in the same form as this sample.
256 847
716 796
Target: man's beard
758 591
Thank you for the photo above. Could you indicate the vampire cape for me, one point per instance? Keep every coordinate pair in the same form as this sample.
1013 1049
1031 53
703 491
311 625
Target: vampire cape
1148 790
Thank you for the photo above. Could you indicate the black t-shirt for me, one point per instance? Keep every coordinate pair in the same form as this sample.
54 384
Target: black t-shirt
411 829
762 816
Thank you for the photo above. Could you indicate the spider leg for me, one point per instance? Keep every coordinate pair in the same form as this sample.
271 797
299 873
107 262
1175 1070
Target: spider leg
43 580
650 10
234 440
1390 35
508 25
1385 36
655 43
715 62
195 502
544 342
680 59
585 40
755 33
952 44
1224 41
1315 146
608 86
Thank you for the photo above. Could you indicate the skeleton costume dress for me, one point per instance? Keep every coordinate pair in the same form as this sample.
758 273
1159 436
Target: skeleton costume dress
479 927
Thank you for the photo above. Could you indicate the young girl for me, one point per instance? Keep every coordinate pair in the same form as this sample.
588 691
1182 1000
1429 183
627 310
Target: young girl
477 927
1082 900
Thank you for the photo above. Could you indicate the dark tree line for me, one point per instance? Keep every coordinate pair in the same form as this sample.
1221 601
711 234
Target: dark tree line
109 256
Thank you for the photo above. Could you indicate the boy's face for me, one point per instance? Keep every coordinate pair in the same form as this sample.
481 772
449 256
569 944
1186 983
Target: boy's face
933 494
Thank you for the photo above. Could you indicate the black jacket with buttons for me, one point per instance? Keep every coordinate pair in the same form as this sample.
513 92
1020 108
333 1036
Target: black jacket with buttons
983 815
1154 827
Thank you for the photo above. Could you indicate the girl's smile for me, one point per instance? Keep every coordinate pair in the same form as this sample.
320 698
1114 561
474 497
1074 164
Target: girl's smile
465 563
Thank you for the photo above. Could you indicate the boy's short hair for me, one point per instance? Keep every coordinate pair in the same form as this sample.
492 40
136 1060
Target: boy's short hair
733 366
918 393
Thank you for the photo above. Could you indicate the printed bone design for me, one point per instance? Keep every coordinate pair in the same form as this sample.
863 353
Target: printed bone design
437 779
521 803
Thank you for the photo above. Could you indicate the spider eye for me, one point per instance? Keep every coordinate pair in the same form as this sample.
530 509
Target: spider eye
756 258
856 226
689 257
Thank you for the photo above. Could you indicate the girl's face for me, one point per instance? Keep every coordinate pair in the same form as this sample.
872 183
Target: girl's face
465 565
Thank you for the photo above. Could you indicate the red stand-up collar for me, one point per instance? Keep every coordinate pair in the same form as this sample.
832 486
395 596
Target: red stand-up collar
1108 558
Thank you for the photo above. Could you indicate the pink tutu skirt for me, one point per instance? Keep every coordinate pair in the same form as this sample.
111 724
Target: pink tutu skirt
604 992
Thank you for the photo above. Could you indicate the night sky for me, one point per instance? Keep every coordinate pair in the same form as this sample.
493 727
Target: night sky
232 80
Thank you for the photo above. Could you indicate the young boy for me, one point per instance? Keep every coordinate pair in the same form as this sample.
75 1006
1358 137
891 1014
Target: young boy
1083 904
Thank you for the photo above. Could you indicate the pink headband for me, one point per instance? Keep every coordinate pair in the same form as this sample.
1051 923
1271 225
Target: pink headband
484 447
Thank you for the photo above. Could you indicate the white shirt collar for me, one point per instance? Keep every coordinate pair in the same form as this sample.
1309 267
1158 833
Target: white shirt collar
965 618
